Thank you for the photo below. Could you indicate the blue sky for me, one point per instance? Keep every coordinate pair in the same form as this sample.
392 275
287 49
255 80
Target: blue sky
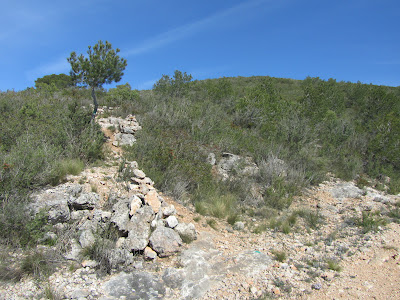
349 40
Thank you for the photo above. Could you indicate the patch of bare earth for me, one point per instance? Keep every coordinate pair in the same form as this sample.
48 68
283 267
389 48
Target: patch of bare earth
373 274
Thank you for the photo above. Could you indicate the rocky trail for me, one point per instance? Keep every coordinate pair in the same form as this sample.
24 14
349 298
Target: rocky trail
165 250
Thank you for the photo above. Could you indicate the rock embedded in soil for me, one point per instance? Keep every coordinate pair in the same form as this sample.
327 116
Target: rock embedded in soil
186 231
84 201
316 286
165 241
135 285
238 226
149 253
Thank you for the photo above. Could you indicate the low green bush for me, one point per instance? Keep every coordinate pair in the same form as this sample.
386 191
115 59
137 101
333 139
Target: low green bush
40 264
279 255
370 221
333 265
66 167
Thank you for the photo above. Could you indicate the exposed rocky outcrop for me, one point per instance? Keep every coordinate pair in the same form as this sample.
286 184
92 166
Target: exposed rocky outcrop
124 129
230 165
138 213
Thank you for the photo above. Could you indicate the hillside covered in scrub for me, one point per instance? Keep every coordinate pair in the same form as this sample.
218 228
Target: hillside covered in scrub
274 185
294 132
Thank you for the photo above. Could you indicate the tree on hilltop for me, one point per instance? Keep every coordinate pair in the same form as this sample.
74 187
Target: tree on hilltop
176 86
102 65
60 81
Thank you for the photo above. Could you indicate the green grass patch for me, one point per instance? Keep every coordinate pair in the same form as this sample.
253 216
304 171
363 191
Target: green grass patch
333 265
370 221
66 167
260 228
233 218
279 255
212 223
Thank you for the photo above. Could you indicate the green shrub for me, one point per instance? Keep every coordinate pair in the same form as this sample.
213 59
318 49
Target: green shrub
100 251
177 86
51 294
286 228
45 137
197 219
333 265
312 218
394 185
233 218
121 94
394 214
212 223
60 81
66 167
221 206
279 255
362 182
260 228
308 128
35 229
200 208
292 219
370 221
40 264
275 223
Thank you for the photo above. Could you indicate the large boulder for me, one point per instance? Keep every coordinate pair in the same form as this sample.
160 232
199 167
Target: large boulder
74 190
346 190
146 213
168 210
138 233
118 257
54 202
120 215
139 174
165 241
58 213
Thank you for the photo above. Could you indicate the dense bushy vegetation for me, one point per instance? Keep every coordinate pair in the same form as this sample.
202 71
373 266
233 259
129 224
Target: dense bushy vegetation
295 131
45 135
313 126
59 81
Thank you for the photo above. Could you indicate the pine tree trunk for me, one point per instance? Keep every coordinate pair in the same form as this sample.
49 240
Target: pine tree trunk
96 105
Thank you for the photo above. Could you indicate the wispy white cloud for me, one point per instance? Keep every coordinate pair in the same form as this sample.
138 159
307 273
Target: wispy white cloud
190 29
15 21
56 67
20 19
